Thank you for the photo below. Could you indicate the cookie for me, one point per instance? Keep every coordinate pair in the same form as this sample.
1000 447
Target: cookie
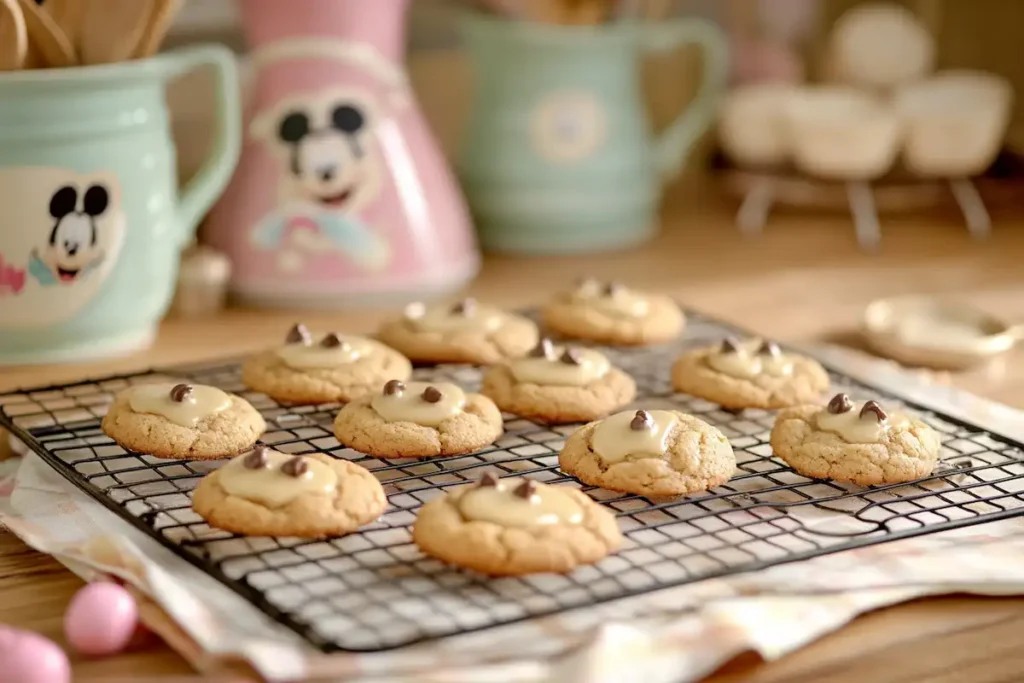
418 420
186 421
557 384
609 313
335 368
509 527
466 332
749 374
268 493
649 453
859 443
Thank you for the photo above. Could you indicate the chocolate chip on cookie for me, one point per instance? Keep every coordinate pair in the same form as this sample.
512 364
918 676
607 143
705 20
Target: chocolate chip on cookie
839 404
769 348
526 489
641 421
543 349
299 334
296 467
394 387
181 392
466 307
873 409
488 479
571 357
332 341
432 395
729 345
612 289
257 459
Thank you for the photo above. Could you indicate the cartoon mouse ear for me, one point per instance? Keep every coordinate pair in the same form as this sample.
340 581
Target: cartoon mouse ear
95 201
63 202
347 118
293 127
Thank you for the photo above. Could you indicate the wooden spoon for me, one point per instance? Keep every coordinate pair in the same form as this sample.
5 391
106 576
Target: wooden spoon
48 46
113 29
159 23
68 15
13 36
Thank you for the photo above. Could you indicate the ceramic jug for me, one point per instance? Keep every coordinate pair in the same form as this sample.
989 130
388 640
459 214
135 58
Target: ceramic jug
341 196
92 220
558 154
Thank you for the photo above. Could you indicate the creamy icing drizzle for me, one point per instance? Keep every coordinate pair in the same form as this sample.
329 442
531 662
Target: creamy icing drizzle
518 503
853 422
637 434
183 404
749 359
425 403
466 315
552 365
610 298
274 479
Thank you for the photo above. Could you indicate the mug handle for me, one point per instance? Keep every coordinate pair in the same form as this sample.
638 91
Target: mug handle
674 143
202 190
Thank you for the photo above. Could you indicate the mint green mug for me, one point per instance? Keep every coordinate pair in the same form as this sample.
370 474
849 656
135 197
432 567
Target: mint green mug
558 154
91 219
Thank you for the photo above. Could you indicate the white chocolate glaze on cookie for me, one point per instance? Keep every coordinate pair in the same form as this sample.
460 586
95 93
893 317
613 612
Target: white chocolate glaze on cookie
421 403
337 368
857 423
183 404
463 316
526 504
515 527
549 365
750 359
311 496
861 444
609 313
638 434
610 298
649 453
751 374
466 332
273 479
332 351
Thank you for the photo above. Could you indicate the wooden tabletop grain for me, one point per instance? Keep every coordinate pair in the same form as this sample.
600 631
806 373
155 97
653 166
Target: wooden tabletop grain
803 280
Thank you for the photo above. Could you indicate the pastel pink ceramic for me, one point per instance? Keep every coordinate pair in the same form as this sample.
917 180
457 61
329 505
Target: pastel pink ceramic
341 196
101 619
27 657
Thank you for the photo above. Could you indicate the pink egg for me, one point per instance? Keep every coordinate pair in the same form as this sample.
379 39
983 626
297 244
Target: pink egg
100 619
27 657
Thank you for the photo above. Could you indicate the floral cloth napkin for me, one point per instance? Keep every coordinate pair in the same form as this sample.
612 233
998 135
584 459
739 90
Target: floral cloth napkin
673 635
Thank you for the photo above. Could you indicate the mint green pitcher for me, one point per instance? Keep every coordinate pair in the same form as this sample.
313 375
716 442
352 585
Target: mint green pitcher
91 218
558 155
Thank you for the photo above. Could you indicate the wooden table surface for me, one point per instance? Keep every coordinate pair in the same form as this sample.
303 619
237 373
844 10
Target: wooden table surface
803 280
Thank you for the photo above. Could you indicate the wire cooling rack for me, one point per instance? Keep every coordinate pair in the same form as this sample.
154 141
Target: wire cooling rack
373 590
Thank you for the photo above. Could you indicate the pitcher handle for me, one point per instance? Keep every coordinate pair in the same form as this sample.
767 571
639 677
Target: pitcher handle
200 192
674 143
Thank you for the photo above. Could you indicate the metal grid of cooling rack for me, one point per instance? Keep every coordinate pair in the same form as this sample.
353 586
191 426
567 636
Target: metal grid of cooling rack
373 590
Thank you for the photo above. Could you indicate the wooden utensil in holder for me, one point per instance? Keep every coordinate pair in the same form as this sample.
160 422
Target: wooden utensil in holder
65 33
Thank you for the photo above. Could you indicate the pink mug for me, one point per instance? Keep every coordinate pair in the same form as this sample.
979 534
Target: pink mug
341 196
